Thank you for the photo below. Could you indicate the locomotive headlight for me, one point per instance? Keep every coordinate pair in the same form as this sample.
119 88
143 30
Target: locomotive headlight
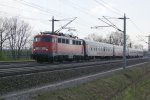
40 48
37 48
44 48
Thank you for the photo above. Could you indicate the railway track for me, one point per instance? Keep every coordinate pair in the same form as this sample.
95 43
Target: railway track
21 69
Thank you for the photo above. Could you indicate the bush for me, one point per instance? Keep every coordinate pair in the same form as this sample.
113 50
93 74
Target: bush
2 56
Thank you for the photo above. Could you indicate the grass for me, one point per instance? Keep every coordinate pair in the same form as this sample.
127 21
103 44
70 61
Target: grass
15 60
139 91
131 84
4 58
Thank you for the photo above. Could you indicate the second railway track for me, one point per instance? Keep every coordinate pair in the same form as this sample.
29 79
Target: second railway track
6 71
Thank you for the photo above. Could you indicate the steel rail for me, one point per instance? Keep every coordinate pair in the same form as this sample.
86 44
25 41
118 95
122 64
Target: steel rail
4 72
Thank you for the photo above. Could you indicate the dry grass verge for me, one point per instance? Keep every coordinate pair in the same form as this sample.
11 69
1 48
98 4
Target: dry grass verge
131 84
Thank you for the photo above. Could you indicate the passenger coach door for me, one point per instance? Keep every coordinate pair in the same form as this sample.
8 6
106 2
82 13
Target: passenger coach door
55 45
85 48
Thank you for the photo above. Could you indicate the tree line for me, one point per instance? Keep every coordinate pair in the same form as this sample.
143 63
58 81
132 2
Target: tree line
115 38
14 36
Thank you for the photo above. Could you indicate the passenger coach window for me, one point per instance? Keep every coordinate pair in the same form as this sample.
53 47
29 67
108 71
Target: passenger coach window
67 41
79 42
74 42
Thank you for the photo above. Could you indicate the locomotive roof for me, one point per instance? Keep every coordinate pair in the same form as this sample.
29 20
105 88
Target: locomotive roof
61 36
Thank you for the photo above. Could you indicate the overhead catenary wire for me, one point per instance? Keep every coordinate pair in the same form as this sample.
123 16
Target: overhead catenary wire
140 31
108 7
84 11
29 18
116 9
136 26
40 8
35 6
109 23
113 25
18 16
42 13
81 10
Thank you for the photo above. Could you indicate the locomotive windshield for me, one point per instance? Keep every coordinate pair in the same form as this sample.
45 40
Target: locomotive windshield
43 39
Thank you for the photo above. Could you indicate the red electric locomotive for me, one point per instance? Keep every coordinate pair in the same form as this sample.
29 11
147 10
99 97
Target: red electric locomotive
58 47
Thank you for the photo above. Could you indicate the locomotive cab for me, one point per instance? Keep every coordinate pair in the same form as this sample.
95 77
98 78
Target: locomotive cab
43 47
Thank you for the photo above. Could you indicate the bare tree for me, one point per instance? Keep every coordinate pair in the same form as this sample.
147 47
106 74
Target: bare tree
117 38
19 35
138 46
4 32
95 37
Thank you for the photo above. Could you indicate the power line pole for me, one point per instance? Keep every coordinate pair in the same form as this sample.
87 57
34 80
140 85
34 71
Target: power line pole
110 24
110 39
149 43
149 47
53 25
124 44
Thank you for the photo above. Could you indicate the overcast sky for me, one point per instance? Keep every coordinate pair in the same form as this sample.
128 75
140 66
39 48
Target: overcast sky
39 12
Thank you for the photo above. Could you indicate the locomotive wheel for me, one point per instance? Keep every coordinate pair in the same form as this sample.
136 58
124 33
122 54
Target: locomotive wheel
51 60
39 61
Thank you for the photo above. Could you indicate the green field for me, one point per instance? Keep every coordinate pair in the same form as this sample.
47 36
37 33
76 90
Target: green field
131 84
16 60
6 55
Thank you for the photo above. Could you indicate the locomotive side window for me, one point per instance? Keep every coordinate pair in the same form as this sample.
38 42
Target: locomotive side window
46 39
75 42
59 40
42 39
63 40
37 39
